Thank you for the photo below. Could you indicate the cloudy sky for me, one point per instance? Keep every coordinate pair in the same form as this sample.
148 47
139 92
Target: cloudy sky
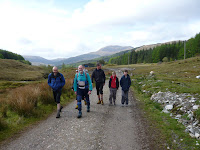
66 28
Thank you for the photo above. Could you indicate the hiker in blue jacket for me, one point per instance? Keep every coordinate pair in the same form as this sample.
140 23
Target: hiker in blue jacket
125 83
82 87
56 81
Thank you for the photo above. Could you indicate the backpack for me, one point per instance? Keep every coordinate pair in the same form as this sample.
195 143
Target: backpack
80 84
59 75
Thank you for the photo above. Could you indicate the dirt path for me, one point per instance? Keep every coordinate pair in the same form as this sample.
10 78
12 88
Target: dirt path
104 128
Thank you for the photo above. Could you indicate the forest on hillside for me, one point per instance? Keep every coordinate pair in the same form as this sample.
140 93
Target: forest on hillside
165 52
4 54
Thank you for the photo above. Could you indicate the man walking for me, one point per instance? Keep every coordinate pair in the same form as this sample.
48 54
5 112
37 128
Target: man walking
82 88
100 79
56 81
125 83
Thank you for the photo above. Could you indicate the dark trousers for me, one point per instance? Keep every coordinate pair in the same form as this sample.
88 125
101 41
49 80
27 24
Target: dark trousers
99 87
80 94
124 97
56 95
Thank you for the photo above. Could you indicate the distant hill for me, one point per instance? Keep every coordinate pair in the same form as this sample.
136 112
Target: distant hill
151 46
13 70
105 51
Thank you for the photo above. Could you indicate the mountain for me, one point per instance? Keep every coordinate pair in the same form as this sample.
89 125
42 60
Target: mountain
105 51
151 46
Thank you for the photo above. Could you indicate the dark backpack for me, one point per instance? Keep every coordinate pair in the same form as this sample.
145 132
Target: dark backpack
58 75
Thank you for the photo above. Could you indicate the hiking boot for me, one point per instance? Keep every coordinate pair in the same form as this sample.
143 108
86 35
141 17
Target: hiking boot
99 102
58 114
61 107
114 103
88 109
122 105
85 102
76 107
79 114
110 104
102 102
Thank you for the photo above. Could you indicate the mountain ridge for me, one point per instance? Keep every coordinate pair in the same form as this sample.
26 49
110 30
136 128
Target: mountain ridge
105 51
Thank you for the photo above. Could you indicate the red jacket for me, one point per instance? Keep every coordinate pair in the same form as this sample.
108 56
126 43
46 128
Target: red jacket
114 82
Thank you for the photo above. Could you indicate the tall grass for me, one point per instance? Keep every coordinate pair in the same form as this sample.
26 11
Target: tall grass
23 100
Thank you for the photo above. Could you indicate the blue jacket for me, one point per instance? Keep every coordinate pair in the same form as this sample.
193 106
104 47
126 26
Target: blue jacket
56 82
82 77
125 83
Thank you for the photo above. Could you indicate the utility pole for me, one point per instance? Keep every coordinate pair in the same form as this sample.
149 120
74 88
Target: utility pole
128 59
184 50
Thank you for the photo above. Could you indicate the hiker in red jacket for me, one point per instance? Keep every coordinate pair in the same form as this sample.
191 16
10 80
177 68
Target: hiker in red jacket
113 85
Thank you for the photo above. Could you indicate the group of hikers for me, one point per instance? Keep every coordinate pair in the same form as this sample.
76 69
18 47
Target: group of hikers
83 85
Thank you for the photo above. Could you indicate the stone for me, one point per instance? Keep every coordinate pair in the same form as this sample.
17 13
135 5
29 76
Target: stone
178 116
195 107
168 107
198 77
197 135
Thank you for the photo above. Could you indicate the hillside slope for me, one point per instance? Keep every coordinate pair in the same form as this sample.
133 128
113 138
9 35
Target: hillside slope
12 70
105 51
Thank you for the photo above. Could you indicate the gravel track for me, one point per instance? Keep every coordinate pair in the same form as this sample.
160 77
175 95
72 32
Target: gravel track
104 128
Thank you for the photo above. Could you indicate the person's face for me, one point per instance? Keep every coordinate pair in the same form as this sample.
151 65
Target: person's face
55 70
113 74
125 73
80 69
99 67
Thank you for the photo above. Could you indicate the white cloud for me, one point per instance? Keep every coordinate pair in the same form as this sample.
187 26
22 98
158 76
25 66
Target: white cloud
41 28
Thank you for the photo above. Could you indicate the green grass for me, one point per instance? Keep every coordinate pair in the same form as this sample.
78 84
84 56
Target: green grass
180 77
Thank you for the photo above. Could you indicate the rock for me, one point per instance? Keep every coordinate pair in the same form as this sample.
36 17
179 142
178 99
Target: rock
198 77
165 111
178 116
168 107
197 135
192 135
151 73
195 107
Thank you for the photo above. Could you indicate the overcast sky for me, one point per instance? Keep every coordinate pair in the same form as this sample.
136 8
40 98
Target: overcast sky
66 28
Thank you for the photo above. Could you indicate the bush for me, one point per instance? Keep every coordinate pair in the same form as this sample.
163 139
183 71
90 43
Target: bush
165 59
23 100
3 124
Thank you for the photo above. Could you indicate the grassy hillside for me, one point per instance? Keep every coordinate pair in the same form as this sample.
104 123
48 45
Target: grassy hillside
177 77
12 70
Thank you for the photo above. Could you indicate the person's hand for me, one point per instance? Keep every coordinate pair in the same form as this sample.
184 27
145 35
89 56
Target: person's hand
75 93
89 92
103 84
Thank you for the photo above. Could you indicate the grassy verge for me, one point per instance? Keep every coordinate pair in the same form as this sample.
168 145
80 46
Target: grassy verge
26 104
179 77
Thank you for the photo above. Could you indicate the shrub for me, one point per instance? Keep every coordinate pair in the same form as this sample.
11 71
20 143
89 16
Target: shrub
3 124
165 59
23 100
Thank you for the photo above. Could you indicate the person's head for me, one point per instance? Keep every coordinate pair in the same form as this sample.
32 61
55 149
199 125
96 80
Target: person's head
125 72
55 70
98 66
80 69
113 73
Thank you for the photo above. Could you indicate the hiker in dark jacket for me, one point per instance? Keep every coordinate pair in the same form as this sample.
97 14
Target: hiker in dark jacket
113 85
56 81
100 79
125 83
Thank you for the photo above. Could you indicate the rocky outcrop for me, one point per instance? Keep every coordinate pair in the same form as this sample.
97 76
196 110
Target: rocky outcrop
181 107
